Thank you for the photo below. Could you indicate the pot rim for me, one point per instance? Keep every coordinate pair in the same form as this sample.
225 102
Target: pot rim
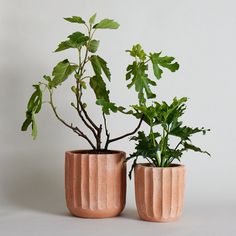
147 165
86 151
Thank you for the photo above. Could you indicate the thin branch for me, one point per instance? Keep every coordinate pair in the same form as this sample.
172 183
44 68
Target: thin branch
125 135
105 125
74 128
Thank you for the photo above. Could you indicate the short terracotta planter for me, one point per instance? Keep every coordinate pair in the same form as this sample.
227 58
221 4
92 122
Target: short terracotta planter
159 192
95 184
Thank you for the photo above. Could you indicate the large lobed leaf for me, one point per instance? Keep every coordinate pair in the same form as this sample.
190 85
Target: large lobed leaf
166 62
137 73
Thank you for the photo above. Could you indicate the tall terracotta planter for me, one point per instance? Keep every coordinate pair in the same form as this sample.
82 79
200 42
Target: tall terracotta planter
159 192
95 184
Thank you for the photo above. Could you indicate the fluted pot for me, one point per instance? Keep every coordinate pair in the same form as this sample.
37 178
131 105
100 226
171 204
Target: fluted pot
95 184
159 192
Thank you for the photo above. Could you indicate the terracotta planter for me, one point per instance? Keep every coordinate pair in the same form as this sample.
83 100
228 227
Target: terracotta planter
159 192
95 184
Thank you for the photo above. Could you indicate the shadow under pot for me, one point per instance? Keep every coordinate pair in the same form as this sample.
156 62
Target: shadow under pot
95 184
159 192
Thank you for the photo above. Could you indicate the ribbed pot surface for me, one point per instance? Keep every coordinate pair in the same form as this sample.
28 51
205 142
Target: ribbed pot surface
159 192
95 184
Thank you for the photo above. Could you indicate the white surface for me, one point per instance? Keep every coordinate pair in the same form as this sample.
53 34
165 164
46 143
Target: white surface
200 34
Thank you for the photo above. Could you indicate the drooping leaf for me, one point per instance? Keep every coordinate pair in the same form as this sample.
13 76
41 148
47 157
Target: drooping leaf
93 45
106 24
107 106
34 127
99 65
75 19
33 107
99 88
92 19
61 72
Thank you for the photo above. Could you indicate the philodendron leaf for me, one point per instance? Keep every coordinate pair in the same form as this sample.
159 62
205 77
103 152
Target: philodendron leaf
92 19
166 62
76 40
99 88
189 146
93 45
61 72
99 65
107 106
75 19
106 24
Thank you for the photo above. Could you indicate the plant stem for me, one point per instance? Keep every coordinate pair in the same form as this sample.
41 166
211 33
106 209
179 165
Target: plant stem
123 136
74 128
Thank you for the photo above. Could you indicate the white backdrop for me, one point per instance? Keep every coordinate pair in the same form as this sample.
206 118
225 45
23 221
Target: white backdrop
200 34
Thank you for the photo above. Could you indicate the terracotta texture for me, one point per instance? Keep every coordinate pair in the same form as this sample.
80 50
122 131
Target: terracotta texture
95 184
159 192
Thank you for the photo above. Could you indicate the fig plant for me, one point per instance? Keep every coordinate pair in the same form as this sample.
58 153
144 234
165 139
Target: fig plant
86 47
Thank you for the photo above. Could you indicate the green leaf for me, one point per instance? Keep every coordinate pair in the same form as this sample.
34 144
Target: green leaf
63 46
34 106
99 88
166 62
48 78
61 72
76 40
106 24
189 146
75 19
137 73
93 45
99 65
107 106
34 127
138 52
92 19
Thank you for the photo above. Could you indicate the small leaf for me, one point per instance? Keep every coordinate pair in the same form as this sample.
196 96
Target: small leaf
61 72
106 24
93 45
75 19
92 19
48 78
137 51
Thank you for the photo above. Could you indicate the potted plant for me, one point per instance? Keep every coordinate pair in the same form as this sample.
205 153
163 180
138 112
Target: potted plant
95 179
159 184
